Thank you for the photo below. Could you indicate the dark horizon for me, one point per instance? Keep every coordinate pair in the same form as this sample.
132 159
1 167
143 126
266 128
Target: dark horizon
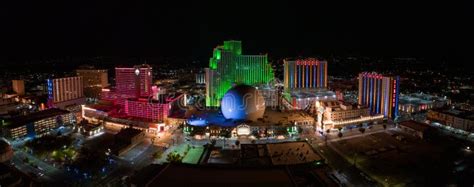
281 29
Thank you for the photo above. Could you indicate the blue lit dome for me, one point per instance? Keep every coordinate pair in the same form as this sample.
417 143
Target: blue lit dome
242 102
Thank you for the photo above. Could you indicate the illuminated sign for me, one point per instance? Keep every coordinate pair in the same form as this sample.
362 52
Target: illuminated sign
50 88
243 130
394 93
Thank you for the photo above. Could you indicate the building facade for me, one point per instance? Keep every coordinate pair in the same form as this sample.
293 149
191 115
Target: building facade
455 118
229 67
37 124
18 86
94 77
201 78
338 114
65 91
420 102
151 110
380 93
305 73
134 82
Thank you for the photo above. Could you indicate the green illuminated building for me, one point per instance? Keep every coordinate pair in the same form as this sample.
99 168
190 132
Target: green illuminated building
228 67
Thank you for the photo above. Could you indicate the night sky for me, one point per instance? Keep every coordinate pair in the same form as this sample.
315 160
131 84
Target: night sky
280 28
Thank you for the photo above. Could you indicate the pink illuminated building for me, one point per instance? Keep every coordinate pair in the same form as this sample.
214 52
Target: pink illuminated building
134 82
137 98
151 109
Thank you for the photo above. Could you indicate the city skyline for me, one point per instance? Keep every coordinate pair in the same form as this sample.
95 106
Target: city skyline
240 93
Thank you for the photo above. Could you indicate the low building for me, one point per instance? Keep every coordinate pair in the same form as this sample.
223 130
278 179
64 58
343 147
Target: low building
87 129
6 151
11 176
300 99
270 94
419 102
126 139
417 129
36 124
338 114
454 118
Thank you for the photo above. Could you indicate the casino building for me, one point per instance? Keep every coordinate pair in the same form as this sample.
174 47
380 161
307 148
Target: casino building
305 73
380 93
135 101
244 113
228 66
66 91
305 82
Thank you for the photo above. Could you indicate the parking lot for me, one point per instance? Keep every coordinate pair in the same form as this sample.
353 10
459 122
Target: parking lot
395 158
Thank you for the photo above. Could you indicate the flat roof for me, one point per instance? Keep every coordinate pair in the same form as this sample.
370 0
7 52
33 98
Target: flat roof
312 93
172 175
416 125
465 114
22 120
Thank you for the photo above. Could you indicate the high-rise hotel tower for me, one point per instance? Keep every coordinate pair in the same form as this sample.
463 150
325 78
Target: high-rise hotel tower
305 73
134 82
229 67
65 91
380 93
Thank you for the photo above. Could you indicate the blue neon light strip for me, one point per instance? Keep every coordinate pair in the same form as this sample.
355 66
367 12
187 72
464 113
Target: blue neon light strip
290 67
379 93
321 75
364 87
371 93
300 74
307 77
396 97
314 75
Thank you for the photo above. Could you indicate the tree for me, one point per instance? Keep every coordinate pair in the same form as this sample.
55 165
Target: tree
174 157
339 134
362 130
157 155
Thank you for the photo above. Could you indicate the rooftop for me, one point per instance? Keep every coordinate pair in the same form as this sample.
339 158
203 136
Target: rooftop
465 114
312 93
22 120
417 126
172 175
